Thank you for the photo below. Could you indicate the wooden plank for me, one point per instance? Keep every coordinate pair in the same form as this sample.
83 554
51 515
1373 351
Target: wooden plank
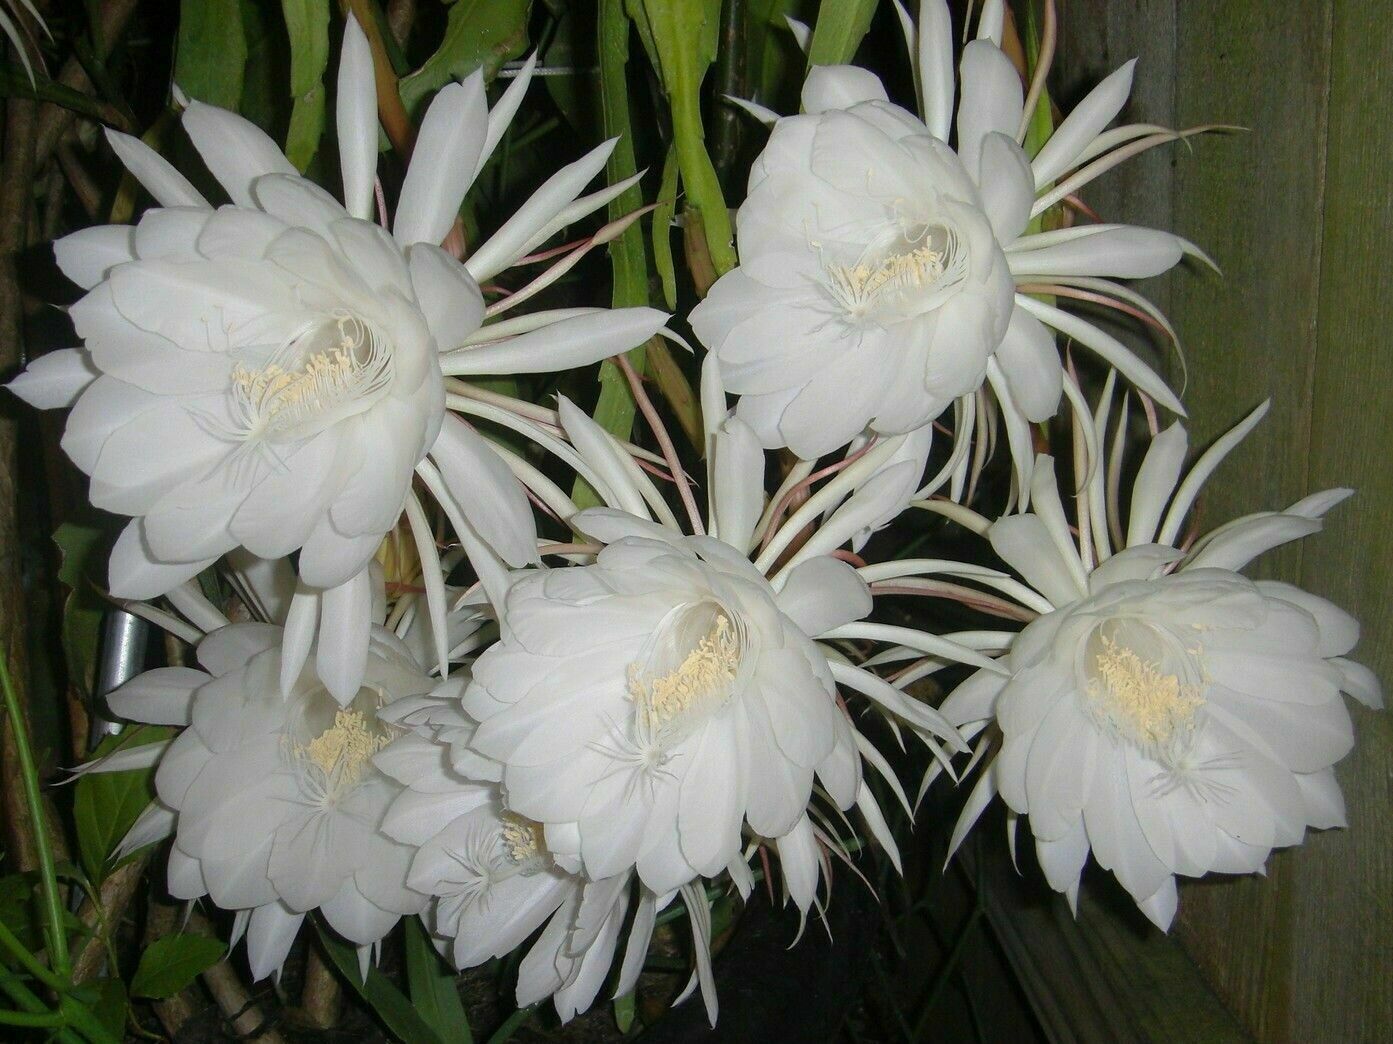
1254 200
1342 917
1105 975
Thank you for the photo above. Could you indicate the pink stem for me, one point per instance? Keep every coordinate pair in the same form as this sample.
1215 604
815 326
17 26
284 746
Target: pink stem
381 201
650 414
804 486
849 557
957 593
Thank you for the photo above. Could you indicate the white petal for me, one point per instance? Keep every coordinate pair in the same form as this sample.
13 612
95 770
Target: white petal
800 860
161 697
1025 545
135 573
56 379
840 87
1109 348
1118 251
1030 362
1082 125
442 164
565 345
1008 191
86 256
822 593
345 621
1245 539
936 66
270 933
737 481
236 151
154 172
501 115
450 299
991 99
1155 482
356 120
488 494
507 244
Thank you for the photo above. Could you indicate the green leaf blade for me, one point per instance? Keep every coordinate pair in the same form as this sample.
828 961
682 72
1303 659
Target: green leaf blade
210 63
434 988
171 963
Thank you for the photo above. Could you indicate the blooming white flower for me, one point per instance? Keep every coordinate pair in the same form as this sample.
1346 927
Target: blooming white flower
1163 711
268 374
879 267
649 706
492 879
273 800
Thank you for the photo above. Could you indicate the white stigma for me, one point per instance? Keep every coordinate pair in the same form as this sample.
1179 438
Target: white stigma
327 372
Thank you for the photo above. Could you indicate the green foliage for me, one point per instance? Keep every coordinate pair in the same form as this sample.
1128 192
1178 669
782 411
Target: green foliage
106 804
171 963
434 988
680 37
211 57
307 24
81 549
387 1002
478 34
841 26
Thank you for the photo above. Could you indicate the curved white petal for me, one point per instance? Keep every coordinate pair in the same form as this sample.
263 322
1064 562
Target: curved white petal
442 164
356 120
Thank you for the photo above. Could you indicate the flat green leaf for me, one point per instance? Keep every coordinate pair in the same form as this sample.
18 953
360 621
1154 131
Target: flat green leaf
171 963
82 550
106 804
211 56
307 24
478 33
387 1002
773 62
841 26
106 1000
434 988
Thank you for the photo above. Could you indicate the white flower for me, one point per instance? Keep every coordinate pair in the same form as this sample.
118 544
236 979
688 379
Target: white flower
492 879
879 267
1163 711
650 706
274 801
268 374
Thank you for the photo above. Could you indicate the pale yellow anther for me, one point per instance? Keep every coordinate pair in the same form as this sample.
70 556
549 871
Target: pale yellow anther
858 285
707 671
522 838
344 749
1147 706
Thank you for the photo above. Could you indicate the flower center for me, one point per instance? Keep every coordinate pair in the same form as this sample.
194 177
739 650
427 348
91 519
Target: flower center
907 271
329 371
334 746
1142 685
522 843
688 672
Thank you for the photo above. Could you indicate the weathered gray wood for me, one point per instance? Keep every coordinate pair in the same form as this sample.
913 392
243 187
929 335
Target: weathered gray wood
1299 214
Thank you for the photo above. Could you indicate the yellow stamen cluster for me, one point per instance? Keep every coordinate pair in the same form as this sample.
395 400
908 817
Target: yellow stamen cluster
522 838
707 669
861 283
345 748
1147 706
